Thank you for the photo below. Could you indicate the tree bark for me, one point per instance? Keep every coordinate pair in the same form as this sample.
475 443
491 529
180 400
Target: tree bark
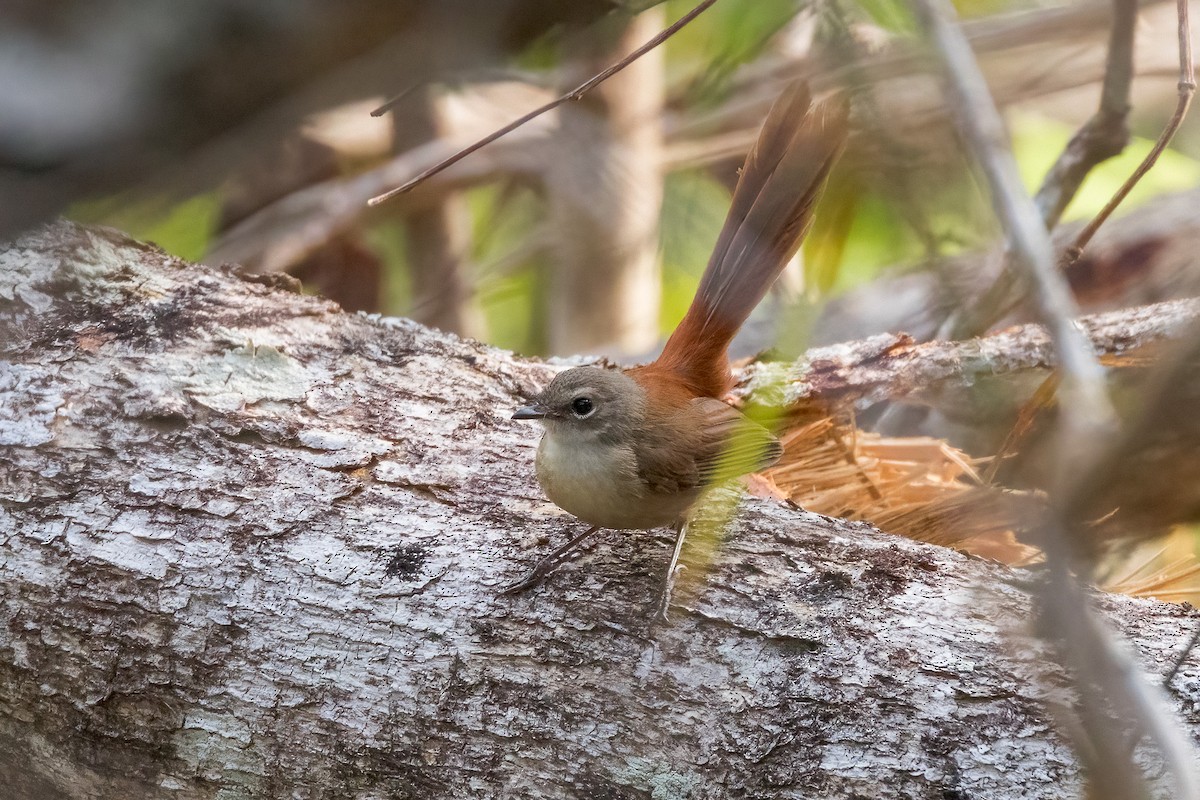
893 366
252 546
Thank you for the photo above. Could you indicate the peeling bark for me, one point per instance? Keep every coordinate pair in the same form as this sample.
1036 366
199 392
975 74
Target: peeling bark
891 366
251 547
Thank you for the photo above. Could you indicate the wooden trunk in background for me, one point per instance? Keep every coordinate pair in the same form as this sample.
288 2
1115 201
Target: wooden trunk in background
342 267
437 238
604 189
250 547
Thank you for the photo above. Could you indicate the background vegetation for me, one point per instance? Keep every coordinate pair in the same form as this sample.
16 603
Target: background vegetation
709 68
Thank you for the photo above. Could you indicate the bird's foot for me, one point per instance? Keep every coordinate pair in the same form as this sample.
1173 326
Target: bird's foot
547 565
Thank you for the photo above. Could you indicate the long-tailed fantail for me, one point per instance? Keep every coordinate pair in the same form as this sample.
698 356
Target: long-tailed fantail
634 448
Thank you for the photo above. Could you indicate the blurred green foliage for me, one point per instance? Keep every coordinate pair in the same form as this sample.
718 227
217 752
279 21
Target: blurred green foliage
181 227
387 240
704 55
1038 140
891 15
860 231
694 206
509 289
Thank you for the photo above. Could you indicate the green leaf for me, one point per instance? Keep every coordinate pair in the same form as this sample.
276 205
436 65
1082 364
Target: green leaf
183 229
1038 140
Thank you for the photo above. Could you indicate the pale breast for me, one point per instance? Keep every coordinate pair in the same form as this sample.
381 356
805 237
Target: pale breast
600 485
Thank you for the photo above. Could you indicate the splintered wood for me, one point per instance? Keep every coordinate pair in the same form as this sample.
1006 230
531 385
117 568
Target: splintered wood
926 489
919 487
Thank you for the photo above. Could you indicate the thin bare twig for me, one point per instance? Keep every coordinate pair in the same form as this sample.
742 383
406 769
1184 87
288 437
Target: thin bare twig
1107 132
1104 672
1187 88
484 75
575 94
1042 397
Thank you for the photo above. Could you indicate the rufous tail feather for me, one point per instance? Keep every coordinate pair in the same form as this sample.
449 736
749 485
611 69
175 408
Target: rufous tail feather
771 210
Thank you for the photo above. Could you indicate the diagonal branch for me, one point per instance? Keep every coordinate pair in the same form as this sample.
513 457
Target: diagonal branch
575 94
984 135
1103 671
1107 132
1187 88
892 366
1103 136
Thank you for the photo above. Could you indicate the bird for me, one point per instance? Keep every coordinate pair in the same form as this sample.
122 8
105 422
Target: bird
635 448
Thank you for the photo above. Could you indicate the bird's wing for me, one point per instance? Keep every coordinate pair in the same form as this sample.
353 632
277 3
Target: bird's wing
724 444
734 444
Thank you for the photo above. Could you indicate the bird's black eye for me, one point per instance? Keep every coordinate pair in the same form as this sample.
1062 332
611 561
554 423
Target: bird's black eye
582 406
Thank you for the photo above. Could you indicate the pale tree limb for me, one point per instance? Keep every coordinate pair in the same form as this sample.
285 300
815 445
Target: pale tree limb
251 547
892 367
1086 419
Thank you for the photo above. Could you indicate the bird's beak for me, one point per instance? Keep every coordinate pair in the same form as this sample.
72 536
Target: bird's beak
534 411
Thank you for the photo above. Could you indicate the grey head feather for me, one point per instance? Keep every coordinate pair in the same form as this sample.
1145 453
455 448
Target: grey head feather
592 402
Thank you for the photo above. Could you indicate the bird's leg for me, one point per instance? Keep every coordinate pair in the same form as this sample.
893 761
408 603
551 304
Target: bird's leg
547 564
673 570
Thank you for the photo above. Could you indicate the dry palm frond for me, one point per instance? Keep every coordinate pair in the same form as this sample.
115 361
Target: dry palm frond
1166 569
918 487
927 490
1145 484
